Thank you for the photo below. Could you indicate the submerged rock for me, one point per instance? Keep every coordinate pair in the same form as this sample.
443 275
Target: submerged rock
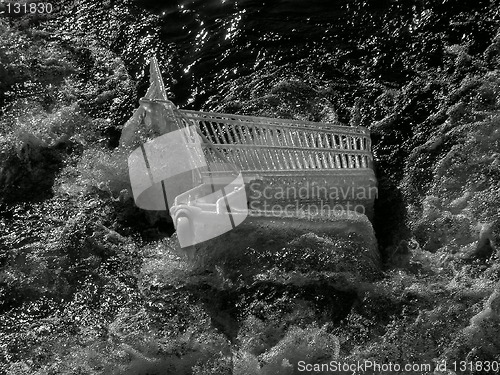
29 172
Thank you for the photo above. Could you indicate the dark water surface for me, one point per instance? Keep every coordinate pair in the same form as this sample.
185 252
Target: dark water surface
212 42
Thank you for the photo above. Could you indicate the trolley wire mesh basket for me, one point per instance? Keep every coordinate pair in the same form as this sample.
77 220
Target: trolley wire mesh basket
222 159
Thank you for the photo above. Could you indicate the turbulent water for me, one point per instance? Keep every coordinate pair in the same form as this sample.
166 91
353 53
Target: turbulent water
91 284
223 40
217 41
